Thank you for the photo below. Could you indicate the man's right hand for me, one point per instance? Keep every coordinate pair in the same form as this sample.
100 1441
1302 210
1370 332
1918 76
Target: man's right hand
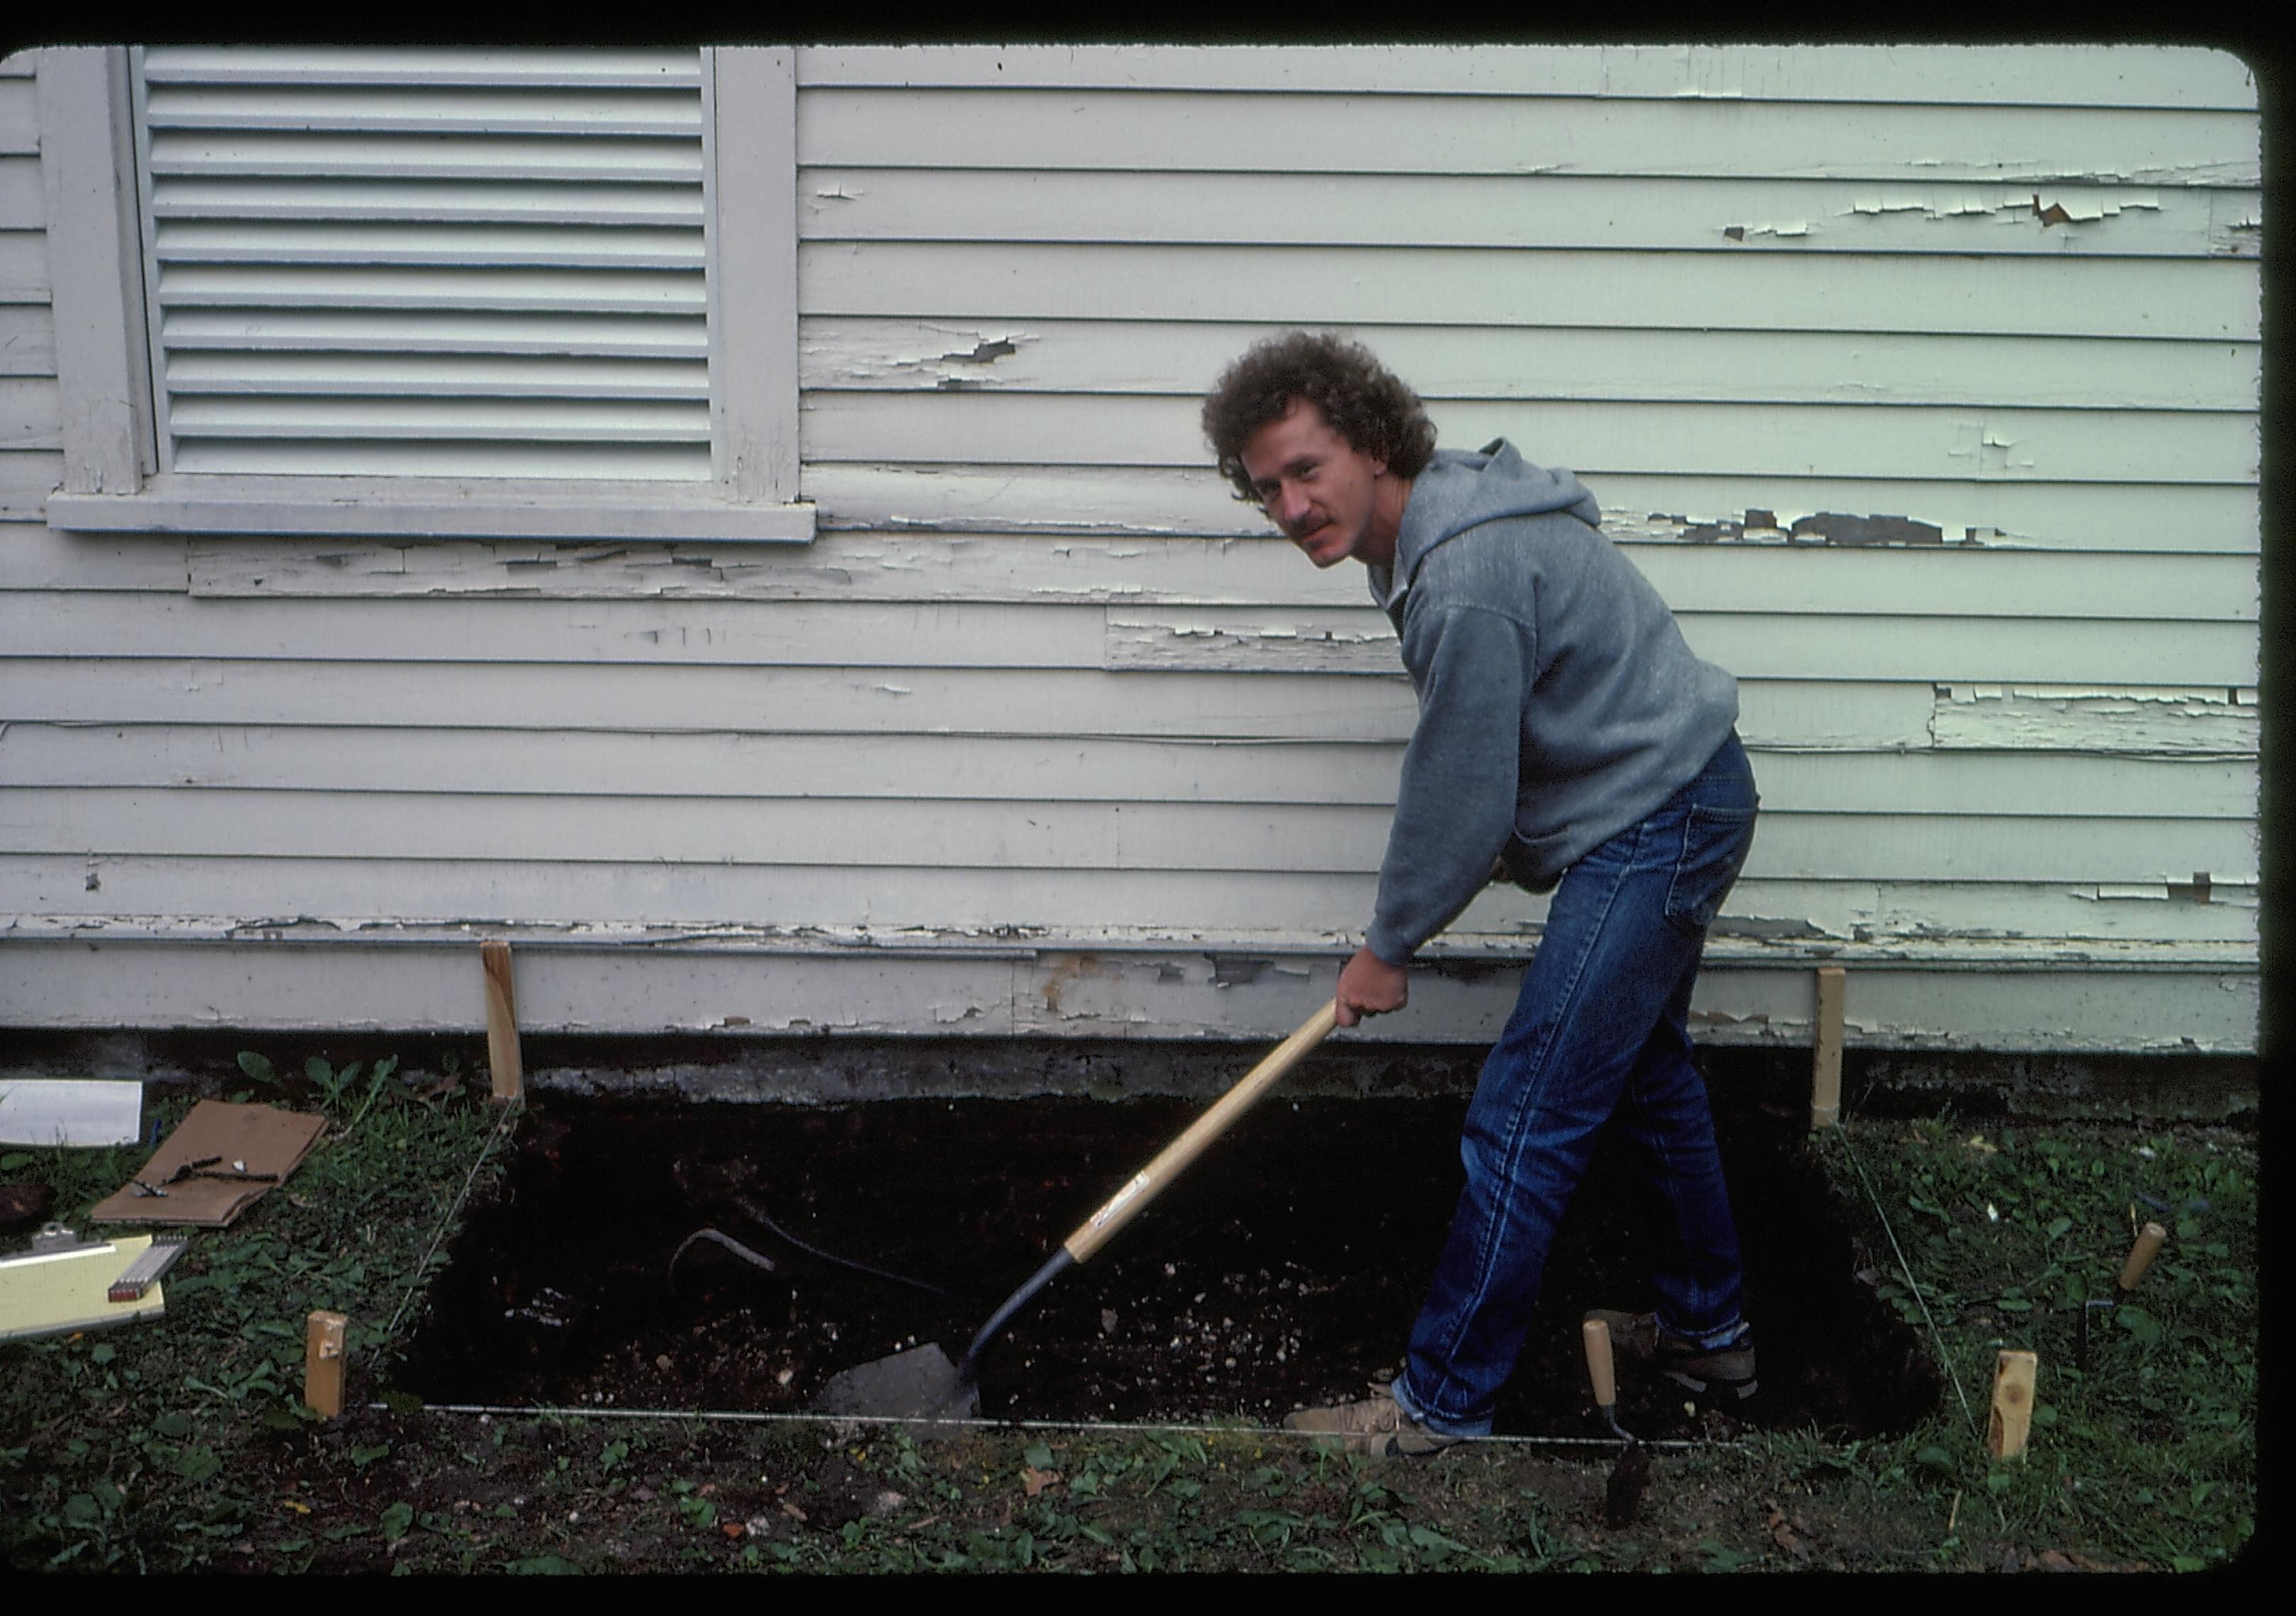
1370 986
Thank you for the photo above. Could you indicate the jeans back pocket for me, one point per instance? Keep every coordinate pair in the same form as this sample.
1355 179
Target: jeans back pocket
1715 842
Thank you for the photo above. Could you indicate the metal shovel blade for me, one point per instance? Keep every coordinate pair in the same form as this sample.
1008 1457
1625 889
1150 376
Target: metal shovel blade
1622 1493
918 1385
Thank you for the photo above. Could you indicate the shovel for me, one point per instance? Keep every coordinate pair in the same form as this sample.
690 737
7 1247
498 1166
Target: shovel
921 1384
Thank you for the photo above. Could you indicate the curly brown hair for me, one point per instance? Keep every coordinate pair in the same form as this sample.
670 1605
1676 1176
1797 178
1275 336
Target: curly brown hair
1364 401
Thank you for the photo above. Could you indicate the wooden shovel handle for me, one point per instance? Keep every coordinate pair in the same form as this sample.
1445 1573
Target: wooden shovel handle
1597 1337
1144 1185
2141 1255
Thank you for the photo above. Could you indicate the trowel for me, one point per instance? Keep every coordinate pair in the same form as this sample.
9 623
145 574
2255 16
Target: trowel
922 1383
1622 1494
2149 1241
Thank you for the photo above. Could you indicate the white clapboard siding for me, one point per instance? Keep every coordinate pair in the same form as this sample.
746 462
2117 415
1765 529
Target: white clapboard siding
379 219
1076 836
1951 580
953 994
1017 768
2012 295
20 115
1209 638
1963 77
1517 210
32 412
23 261
1286 709
1095 500
1212 908
1872 440
1783 919
20 185
1045 727
1773 646
2171 924
1075 994
28 476
28 340
34 556
1109 357
1212 131
833 700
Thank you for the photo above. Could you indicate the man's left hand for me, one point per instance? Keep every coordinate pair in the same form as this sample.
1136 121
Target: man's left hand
1370 986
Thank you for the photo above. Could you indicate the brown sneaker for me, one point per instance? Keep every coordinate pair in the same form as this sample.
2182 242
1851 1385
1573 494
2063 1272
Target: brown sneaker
1726 1374
1376 1425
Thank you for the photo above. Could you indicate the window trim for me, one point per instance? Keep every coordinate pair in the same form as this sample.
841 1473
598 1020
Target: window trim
103 373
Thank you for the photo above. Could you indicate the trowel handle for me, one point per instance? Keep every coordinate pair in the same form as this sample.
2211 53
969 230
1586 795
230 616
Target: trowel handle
1146 1185
2141 1255
1597 1337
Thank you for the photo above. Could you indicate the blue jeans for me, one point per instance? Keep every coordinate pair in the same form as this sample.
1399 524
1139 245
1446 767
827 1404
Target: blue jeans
1600 1027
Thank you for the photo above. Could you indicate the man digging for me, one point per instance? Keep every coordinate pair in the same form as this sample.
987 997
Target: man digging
1567 739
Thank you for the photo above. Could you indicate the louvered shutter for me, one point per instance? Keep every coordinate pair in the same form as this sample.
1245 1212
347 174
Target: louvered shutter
434 263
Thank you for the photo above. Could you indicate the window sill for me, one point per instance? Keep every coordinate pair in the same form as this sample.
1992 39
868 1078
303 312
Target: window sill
395 508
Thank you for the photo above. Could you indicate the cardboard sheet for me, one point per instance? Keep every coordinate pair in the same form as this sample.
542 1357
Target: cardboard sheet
70 1111
60 1290
251 1139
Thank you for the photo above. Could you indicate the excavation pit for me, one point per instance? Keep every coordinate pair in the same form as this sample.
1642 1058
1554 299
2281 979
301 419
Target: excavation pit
1285 1268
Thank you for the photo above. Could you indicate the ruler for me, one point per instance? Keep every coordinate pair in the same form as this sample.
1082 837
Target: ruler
144 1272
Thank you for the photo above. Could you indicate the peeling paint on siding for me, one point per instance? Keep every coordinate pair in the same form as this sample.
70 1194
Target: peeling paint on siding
1822 527
1764 928
966 361
1990 446
2129 722
1238 969
2074 206
1835 529
1930 206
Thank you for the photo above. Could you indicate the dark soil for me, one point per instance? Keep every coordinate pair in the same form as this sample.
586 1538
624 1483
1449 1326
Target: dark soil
1285 1268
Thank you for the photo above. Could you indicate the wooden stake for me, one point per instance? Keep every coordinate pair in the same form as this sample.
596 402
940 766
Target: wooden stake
503 1060
1825 1053
2141 1256
2014 1374
323 1362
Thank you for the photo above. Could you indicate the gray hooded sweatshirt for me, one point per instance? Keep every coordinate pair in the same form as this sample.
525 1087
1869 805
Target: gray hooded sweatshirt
1558 702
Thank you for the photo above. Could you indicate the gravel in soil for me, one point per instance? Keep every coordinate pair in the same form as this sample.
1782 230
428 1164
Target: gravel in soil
1285 1268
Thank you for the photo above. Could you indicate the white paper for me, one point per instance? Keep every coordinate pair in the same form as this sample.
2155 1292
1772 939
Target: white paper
70 1111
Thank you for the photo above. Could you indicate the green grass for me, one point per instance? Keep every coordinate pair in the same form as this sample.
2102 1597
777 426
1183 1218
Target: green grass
181 1444
2150 1453
121 1447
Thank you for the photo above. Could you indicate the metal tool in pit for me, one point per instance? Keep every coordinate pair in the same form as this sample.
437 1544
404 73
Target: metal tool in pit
922 1383
1622 1494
